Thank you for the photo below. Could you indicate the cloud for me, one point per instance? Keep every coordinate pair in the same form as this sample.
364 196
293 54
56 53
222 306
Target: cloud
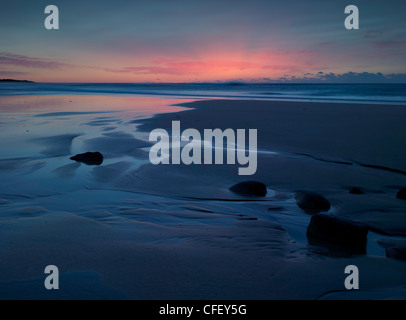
397 77
198 67
348 77
18 60
12 73
30 62
390 44
190 67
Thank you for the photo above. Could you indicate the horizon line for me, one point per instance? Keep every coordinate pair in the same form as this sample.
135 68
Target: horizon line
206 82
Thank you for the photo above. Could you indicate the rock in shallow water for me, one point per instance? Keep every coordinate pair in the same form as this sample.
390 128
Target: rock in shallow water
340 237
396 253
311 202
250 188
89 158
401 194
395 248
356 190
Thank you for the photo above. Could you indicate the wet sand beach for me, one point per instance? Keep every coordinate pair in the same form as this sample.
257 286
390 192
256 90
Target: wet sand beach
128 229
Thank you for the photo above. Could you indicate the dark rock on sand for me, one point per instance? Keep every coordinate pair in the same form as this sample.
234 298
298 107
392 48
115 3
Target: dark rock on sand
401 194
340 237
356 190
395 248
396 253
250 188
89 158
311 202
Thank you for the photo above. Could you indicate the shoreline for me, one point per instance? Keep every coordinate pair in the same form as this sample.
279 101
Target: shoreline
358 93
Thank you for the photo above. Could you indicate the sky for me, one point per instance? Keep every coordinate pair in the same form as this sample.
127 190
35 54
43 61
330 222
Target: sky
203 41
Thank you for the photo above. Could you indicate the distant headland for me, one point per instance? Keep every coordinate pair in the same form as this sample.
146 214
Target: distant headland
14 80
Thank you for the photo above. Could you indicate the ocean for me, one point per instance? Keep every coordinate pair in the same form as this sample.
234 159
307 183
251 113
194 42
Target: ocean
358 93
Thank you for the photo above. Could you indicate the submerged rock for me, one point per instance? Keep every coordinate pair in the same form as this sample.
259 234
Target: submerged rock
250 188
401 194
356 190
312 202
394 248
89 158
340 237
396 253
